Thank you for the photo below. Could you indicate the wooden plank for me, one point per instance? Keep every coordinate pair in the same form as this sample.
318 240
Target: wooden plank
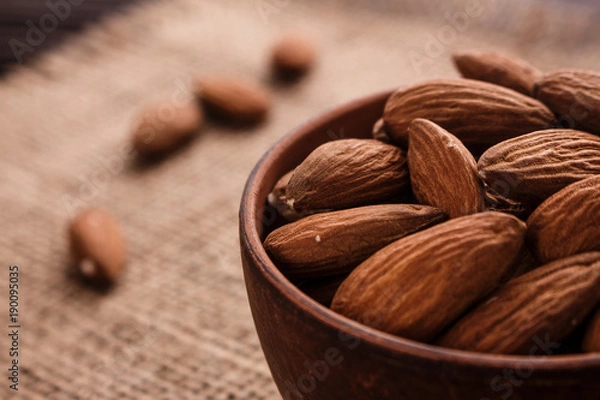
76 16
17 17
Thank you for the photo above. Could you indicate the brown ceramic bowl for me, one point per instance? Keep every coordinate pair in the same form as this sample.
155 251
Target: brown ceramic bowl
315 353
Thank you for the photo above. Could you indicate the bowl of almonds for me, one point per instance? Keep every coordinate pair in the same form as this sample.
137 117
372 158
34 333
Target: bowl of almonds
445 246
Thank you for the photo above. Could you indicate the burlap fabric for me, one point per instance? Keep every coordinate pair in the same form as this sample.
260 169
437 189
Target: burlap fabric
177 326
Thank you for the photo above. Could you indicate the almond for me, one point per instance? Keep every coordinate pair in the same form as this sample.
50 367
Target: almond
591 338
165 126
293 56
97 246
347 173
574 95
479 114
532 167
456 190
566 223
418 285
544 305
498 68
335 242
233 99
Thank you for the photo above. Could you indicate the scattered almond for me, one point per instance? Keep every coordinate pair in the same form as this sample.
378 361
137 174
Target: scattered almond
97 246
233 99
163 127
293 56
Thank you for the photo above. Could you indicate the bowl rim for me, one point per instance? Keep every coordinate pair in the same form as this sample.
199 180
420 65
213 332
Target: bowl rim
250 240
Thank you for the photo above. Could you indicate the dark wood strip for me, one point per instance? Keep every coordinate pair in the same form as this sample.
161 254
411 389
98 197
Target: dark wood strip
28 27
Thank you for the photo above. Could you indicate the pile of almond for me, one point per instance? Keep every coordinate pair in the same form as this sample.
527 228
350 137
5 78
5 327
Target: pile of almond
471 220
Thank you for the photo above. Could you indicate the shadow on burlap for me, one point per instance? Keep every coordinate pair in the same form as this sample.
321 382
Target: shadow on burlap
177 326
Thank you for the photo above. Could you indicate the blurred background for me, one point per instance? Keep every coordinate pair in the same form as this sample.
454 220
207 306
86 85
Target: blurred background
18 18
75 74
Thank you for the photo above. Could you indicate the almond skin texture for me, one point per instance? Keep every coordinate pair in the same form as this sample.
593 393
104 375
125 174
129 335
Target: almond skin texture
567 223
443 173
591 338
575 96
532 167
547 303
293 56
163 127
498 68
479 114
416 286
348 173
233 100
97 246
335 242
